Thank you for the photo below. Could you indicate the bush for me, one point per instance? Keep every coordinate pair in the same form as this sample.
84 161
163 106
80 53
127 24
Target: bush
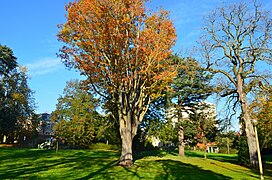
243 154
102 146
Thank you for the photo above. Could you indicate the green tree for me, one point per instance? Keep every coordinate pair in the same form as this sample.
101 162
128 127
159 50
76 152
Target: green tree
190 86
17 103
8 61
203 118
154 118
164 118
236 42
226 142
75 115
22 107
106 130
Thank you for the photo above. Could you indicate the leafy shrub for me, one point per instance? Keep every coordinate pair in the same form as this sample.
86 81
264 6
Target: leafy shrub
243 153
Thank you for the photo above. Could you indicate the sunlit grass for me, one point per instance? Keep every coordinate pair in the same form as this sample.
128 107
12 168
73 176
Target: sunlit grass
87 164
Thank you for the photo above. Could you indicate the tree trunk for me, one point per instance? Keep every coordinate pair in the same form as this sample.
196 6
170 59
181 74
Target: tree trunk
181 141
180 132
126 158
205 145
251 142
205 151
228 145
4 139
130 114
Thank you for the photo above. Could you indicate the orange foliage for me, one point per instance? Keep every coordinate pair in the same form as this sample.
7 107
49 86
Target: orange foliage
116 43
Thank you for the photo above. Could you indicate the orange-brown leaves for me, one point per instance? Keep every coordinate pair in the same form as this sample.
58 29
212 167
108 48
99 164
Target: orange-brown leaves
115 42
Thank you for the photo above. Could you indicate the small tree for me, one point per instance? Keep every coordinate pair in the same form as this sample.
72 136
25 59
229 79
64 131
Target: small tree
123 51
75 115
205 123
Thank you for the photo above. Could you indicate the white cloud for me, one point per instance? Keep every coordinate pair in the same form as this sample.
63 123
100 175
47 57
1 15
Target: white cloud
43 66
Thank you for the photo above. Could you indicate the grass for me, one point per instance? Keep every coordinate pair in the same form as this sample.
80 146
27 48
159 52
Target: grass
98 164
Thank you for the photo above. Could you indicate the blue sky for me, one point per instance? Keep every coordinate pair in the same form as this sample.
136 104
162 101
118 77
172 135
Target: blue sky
29 28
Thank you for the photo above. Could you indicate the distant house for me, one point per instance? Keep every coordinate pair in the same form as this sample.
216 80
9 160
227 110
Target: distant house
45 125
210 147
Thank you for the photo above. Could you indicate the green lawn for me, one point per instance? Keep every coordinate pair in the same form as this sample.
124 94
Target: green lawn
87 164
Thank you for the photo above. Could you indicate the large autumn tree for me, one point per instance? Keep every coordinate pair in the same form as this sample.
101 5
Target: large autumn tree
237 47
122 50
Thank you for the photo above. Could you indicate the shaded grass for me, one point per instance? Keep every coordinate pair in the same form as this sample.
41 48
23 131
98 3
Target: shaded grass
97 164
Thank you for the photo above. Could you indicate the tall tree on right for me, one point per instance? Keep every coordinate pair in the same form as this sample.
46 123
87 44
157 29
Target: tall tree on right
237 48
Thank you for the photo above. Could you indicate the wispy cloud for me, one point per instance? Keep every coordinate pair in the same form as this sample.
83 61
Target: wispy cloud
43 66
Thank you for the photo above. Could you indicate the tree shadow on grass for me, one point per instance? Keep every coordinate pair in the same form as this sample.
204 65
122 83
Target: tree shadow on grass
178 170
157 169
83 164
29 164
143 154
15 153
100 171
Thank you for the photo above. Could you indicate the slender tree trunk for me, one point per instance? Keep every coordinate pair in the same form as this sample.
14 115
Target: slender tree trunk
180 132
181 141
205 151
228 145
4 139
205 145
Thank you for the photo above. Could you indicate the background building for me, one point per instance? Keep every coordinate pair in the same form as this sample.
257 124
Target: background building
45 125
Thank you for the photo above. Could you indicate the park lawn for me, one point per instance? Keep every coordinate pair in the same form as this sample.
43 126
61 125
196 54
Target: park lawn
98 164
